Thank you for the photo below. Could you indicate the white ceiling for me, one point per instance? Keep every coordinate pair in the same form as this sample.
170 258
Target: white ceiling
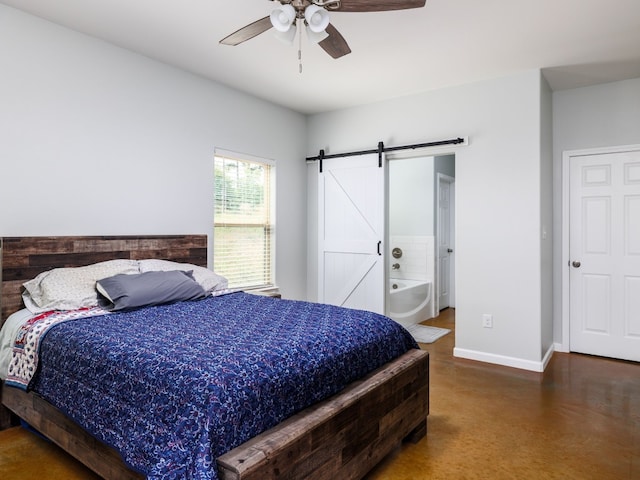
448 42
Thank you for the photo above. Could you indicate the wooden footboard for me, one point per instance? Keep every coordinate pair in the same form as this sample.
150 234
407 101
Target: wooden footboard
344 436
340 438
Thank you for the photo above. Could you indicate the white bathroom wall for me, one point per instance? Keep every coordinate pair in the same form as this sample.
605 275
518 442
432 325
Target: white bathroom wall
411 204
417 261
98 140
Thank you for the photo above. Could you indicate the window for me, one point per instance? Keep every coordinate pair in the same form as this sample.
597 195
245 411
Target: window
243 222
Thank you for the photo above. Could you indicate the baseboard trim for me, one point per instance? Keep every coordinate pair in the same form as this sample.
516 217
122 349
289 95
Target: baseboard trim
547 356
504 360
560 347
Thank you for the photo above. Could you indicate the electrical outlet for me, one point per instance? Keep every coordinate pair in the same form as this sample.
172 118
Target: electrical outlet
487 320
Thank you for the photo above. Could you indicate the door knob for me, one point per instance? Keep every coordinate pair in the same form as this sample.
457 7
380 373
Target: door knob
449 250
575 264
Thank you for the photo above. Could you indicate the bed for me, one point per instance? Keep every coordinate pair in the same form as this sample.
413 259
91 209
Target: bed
342 436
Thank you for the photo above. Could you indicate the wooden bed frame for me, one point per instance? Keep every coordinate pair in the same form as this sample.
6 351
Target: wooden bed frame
342 437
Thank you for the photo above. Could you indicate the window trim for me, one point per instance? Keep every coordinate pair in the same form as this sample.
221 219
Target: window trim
244 157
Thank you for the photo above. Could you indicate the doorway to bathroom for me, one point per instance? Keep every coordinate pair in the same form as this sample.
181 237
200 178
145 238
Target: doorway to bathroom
421 237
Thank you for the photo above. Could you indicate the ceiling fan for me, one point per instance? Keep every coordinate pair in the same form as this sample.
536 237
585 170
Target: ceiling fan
315 16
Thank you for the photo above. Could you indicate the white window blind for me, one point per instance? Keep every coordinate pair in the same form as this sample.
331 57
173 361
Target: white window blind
243 230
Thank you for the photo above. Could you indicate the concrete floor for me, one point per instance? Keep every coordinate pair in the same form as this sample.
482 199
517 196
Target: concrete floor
579 420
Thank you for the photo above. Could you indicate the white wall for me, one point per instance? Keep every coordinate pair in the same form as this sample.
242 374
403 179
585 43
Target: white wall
598 116
498 217
98 140
546 217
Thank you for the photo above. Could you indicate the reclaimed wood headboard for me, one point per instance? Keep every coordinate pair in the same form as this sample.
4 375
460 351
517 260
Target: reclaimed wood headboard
22 258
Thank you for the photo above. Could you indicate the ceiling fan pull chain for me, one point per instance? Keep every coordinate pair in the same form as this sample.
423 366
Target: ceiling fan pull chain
300 48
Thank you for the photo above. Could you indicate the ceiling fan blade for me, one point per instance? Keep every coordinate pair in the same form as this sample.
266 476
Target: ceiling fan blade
377 5
335 44
247 33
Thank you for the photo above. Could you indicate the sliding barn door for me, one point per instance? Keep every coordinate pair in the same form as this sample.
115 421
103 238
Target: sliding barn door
351 233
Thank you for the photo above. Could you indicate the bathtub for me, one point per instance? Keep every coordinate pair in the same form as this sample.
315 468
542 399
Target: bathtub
409 300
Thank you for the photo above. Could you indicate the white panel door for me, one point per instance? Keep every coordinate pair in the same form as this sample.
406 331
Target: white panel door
444 245
604 248
351 228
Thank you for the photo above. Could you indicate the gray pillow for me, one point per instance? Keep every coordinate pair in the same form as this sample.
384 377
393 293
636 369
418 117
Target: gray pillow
124 292
208 279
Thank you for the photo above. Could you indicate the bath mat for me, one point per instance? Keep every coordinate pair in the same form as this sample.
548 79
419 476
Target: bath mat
426 334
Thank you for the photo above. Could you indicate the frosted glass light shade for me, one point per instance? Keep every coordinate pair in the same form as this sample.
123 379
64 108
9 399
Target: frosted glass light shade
317 18
286 37
283 17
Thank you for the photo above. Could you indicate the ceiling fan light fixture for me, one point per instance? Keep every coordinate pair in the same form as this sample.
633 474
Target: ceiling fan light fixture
317 18
286 37
283 17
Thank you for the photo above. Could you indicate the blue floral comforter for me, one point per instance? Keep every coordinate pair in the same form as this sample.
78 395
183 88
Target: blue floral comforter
173 387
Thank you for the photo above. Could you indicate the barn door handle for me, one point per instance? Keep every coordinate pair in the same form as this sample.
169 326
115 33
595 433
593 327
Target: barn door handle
379 243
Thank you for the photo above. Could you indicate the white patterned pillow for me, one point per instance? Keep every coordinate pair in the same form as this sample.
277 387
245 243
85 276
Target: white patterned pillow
207 279
71 288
